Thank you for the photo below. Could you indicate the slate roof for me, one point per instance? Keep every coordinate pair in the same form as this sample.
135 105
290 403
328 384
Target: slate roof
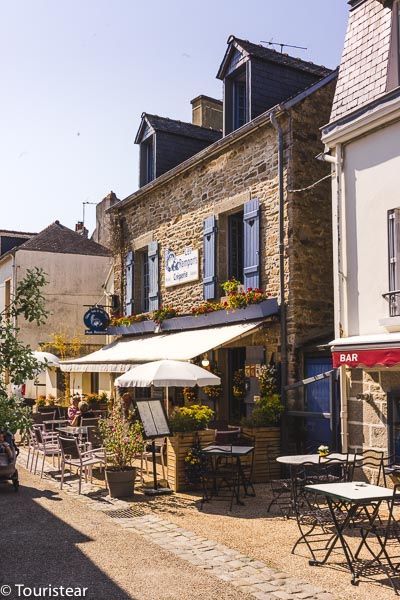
15 233
181 128
61 239
270 55
363 75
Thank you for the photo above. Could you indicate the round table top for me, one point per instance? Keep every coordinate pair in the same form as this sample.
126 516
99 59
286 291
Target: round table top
298 459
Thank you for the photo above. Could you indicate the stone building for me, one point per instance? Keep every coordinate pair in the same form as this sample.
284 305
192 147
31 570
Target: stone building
235 209
362 142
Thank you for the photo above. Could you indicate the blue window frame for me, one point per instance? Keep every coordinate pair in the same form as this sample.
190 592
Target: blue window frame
239 103
145 281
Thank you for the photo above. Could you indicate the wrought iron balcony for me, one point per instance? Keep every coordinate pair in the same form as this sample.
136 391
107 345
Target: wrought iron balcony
394 302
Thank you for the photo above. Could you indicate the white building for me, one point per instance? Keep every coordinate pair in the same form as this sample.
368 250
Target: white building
363 141
77 270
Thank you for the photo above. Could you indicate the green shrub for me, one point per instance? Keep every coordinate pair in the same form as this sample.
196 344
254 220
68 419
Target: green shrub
266 413
14 415
191 418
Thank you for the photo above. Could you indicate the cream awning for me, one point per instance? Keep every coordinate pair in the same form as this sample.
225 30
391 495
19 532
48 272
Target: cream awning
119 356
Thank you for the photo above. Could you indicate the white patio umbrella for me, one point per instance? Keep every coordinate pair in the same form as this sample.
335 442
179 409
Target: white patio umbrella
47 357
166 373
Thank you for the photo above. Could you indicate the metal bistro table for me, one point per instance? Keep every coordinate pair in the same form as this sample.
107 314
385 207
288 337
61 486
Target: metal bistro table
237 453
295 461
352 496
75 431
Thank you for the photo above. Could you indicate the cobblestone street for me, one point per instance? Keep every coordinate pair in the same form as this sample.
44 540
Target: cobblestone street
153 539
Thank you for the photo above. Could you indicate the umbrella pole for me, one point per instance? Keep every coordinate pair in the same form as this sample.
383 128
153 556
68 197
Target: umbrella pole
166 400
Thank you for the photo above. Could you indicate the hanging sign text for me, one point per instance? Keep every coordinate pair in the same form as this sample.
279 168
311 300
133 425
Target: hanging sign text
181 268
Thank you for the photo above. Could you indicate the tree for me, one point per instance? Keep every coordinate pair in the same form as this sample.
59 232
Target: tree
17 362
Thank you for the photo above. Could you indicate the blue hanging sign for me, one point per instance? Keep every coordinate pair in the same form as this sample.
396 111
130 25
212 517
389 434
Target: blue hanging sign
96 320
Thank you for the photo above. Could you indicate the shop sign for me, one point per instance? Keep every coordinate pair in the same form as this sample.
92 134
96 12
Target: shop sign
96 320
387 357
181 268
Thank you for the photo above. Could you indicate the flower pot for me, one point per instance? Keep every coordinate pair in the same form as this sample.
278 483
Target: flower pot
121 483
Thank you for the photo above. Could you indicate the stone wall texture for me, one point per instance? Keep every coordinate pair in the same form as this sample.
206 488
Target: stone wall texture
368 418
173 213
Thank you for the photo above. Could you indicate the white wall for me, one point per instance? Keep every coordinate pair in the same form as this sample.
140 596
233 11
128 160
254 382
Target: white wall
75 281
371 186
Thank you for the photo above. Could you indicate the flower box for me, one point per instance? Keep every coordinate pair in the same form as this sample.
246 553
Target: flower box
139 328
220 317
267 448
177 448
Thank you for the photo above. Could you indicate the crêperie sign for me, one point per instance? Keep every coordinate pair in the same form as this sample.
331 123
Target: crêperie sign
96 320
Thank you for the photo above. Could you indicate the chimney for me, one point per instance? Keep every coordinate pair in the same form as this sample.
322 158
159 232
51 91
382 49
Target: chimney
207 112
79 228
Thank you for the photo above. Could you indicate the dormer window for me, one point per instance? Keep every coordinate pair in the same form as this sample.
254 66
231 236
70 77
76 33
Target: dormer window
149 159
239 103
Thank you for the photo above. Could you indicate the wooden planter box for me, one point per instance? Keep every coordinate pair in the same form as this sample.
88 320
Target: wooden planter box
267 448
177 448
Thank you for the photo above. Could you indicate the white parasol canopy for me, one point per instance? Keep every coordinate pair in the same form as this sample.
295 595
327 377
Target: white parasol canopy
165 373
47 358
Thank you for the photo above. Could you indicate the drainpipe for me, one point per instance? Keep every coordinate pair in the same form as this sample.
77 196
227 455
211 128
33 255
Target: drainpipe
283 329
340 299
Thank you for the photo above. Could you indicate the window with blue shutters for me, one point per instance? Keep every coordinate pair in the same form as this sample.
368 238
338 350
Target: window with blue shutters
210 258
251 243
145 281
129 291
153 294
235 246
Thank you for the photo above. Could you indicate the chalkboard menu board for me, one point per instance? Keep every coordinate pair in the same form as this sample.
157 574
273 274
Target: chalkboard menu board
153 417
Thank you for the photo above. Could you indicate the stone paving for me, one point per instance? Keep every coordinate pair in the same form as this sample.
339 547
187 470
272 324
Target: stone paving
246 574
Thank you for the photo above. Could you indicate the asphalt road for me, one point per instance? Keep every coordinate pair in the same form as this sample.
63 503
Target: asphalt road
50 539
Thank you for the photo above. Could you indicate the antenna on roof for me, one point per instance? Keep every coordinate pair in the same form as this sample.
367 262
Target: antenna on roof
282 46
83 211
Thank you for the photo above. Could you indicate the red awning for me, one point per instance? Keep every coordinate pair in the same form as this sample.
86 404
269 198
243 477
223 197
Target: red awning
387 357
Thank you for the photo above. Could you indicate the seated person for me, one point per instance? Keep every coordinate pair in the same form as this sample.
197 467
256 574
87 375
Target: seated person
6 453
73 410
84 412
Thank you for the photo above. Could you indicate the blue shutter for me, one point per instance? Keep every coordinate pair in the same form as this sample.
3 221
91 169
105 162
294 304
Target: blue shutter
129 284
152 251
209 258
251 225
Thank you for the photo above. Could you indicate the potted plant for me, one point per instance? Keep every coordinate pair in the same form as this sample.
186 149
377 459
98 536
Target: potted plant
122 441
323 450
189 426
263 425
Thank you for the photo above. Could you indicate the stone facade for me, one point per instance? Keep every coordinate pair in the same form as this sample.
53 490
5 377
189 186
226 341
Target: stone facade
368 418
172 212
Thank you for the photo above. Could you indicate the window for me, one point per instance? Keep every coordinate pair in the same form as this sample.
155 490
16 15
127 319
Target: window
145 282
7 297
393 261
149 154
239 104
94 383
235 246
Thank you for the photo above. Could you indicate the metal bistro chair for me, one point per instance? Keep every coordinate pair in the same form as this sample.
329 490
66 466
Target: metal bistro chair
313 516
72 456
388 537
46 445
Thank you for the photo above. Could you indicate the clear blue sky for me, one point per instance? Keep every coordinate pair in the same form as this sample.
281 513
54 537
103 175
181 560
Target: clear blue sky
77 74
